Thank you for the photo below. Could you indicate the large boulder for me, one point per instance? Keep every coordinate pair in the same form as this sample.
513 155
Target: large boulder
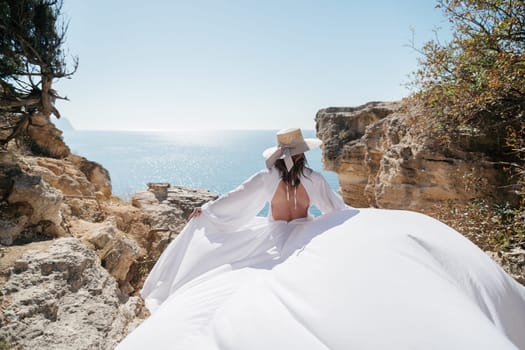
166 207
45 139
74 175
385 158
96 174
58 296
32 211
42 184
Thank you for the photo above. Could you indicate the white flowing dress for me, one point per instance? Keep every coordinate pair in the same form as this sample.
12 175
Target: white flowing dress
348 279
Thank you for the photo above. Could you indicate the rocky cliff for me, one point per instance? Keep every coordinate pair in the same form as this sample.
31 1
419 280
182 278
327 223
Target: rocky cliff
384 157
72 256
57 295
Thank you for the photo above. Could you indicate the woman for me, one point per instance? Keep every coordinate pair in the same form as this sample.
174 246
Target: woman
229 232
349 279
290 199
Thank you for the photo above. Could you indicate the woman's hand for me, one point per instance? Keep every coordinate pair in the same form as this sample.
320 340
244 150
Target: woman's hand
196 212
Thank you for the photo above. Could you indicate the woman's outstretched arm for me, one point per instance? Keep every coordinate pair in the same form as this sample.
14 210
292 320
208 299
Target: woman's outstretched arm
241 204
322 195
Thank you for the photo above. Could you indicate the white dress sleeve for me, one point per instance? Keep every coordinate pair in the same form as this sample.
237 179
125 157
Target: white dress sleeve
239 206
321 195
219 236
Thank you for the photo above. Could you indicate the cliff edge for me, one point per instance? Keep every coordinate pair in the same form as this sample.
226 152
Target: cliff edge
384 157
73 257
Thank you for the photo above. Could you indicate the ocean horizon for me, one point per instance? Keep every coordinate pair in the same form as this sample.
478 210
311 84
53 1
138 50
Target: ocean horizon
216 160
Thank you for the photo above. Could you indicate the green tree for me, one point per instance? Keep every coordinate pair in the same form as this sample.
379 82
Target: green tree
475 83
474 86
32 57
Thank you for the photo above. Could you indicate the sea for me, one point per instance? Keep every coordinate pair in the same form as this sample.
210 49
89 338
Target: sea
216 160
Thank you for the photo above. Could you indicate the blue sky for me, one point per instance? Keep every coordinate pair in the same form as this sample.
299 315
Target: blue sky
168 65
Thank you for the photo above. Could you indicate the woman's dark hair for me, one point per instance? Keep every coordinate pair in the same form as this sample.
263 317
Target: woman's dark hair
292 176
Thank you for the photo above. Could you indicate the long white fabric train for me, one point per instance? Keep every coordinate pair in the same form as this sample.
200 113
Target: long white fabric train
349 279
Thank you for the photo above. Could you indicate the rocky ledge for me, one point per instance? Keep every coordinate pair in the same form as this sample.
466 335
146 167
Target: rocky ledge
73 257
384 157
57 295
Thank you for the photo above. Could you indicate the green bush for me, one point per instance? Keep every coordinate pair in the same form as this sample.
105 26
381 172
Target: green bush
475 83
474 86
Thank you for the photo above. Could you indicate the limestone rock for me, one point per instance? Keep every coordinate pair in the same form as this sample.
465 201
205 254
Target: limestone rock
74 176
101 235
384 159
70 293
60 297
12 228
167 209
187 198
35 208
144 199
40 138
162 216
159 190
119 252
38 194
118 257
129 219
96 174
44 199
61 174
46 139
166 205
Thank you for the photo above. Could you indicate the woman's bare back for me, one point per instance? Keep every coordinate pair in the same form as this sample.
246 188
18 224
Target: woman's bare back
292 208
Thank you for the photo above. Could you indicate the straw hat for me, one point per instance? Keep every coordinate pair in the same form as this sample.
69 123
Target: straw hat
289 143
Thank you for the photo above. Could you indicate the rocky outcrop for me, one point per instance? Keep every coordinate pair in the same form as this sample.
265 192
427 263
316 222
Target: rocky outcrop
163 202
167 209
96 174
36 192
385 158
58 296
31 208
44 139
72 256
43 204
117 250
74 175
